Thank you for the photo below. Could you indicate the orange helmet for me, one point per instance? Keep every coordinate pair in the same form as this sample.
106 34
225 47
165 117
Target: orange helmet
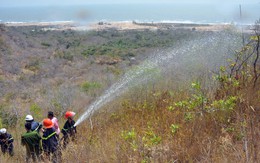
69 114
47 123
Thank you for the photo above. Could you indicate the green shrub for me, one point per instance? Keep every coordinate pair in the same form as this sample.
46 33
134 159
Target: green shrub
87 86
64 55
33 65
226 104
68 56
8 117
90 51
36 111
45 44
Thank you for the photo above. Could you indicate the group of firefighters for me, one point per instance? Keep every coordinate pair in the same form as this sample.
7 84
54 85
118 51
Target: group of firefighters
41 146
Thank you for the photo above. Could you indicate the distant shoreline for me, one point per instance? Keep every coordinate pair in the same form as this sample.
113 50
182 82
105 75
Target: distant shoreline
121 25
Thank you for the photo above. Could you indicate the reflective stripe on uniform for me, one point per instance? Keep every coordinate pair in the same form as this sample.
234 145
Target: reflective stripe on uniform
46 138
65 129
68 128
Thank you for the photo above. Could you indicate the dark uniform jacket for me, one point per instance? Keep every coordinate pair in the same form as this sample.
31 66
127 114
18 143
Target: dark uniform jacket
49 140
6 142
36 126
6 139
69 128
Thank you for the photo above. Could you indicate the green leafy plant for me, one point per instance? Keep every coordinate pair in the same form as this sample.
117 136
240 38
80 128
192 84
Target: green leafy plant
130 138
174 128
188 116
128 135
170 108
228 104
150 138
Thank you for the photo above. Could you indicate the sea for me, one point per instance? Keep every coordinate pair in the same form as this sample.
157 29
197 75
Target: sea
169 12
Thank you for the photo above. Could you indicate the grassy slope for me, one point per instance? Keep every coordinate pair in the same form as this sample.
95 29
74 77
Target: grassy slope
157 129
154 123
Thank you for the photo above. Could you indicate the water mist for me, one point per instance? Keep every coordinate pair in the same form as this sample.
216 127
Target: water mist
160 61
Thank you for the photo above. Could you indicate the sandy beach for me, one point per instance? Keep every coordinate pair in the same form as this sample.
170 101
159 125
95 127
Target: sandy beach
121 26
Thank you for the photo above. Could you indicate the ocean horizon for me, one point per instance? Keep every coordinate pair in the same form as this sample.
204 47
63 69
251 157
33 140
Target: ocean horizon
169 13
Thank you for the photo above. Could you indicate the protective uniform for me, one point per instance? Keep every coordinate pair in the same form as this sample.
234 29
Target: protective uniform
69 130
32 142
50 141
6 142
36 126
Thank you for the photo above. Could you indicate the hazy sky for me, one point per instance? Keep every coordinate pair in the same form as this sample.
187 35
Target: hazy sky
79 2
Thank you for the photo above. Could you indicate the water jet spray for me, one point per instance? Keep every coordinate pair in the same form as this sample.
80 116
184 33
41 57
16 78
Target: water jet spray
157 63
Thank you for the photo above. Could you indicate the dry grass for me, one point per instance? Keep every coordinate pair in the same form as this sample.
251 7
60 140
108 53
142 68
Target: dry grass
160 122
129 134
138 127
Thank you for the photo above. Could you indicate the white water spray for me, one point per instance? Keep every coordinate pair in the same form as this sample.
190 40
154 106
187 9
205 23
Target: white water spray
148 69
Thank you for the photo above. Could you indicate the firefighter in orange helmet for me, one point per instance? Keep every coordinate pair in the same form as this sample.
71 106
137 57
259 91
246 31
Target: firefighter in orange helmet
69 130
49 140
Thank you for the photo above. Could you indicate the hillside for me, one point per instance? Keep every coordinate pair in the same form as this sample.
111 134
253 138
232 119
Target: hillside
38 64
202 107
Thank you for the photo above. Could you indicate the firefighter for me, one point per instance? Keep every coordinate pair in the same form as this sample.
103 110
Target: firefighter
6 141
50 141
32 142
69 130
36 126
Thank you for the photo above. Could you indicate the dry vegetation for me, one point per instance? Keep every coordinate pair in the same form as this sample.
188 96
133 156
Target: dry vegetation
193 125
155 122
